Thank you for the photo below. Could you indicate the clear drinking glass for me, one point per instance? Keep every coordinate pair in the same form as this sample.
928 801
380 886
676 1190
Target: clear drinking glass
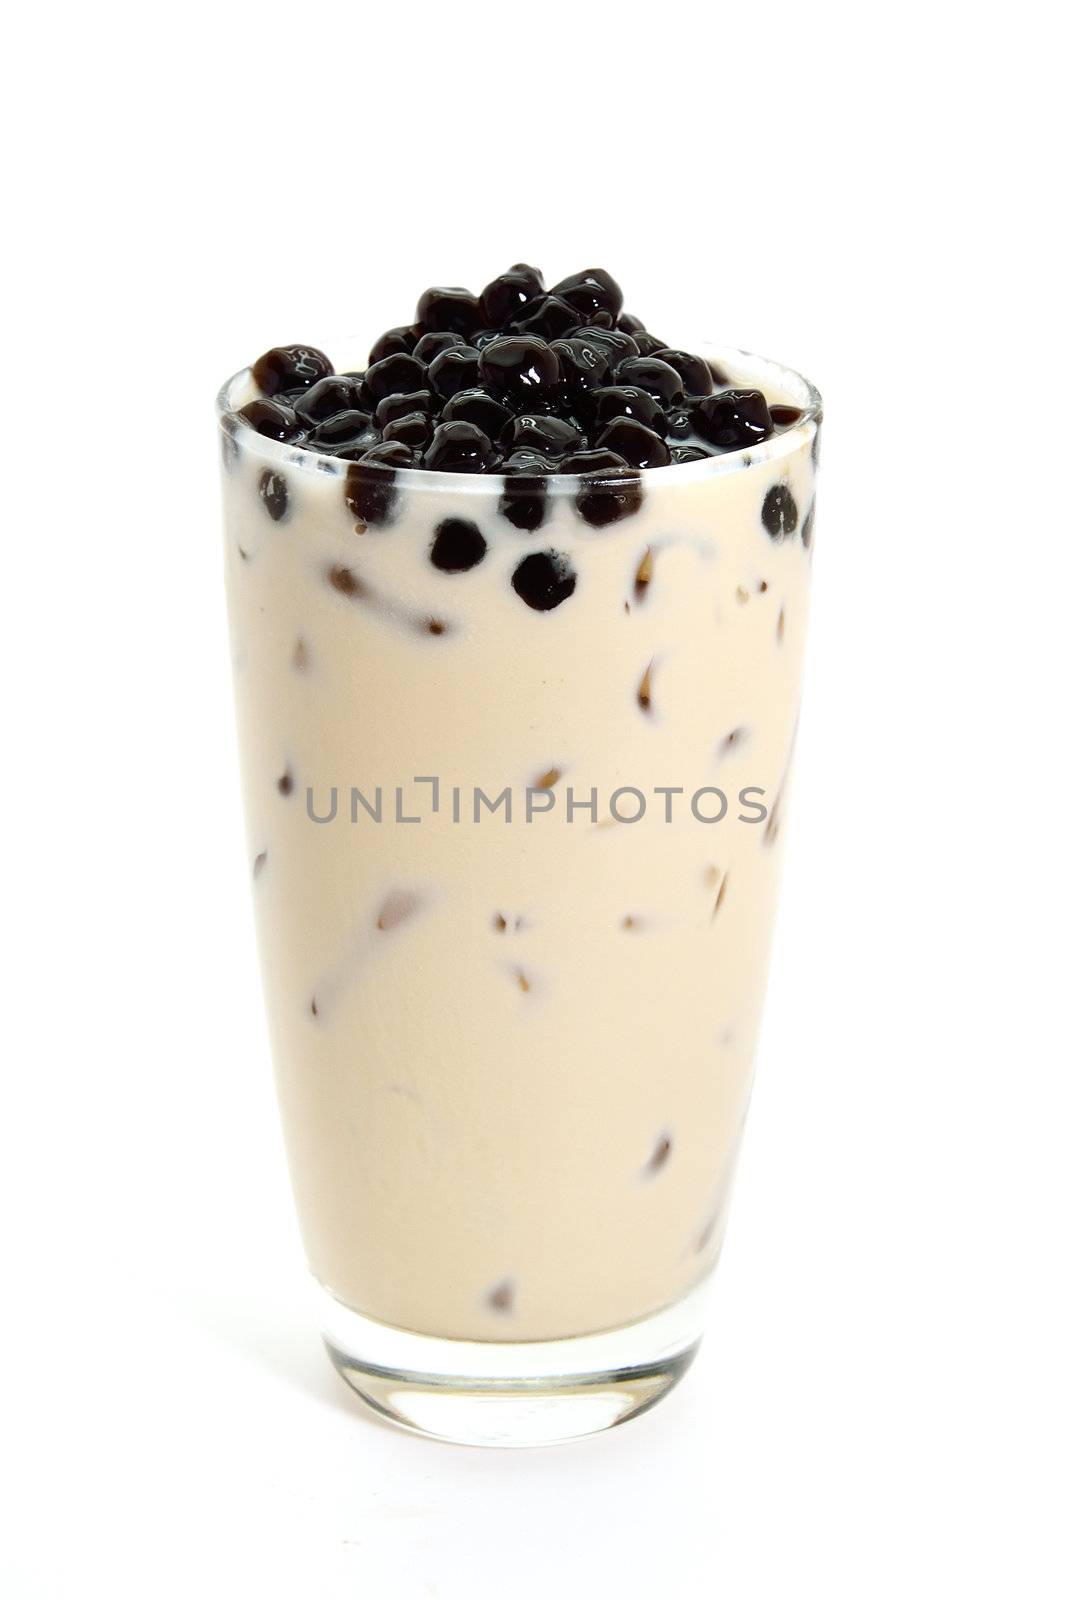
514 872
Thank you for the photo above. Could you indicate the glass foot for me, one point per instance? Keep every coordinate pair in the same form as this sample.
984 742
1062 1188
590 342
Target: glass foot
499 1394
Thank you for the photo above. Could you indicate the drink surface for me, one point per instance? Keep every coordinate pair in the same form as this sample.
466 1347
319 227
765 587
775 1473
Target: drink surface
514 1055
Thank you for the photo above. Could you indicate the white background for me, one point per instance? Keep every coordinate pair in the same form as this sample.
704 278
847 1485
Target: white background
866 193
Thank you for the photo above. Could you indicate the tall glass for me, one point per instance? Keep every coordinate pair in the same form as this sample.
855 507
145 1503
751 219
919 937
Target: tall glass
515 767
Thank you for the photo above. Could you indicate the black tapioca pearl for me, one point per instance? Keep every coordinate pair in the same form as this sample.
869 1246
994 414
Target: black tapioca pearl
344 581
286 783
449 311
654 375
524 370
648 344
615 345
415 431
590 291
549 318
389 453
524 501
808 527
784 416
544 580
343 430
273 492
272 420
457 546
325 398
480 408
679 454
549 436
584 461
454 370
638 445
780 514
289 367
582 368
694 371
609 496
732 419
460 447
630 324
394 406
624 400
430 345
395 342
505 298
659 1156
397 374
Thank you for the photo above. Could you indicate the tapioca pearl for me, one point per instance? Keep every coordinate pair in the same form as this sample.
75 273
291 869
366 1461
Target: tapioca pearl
393 342
344 428
480 408
544 580
548 318
415 431
461 447
548 436
371 494
780 514
430 345
273 492
457 546
784 416
609 496
603 406
286 783
290 367
733 419
524 502
655 376
500 1298
682 454
398 374
630 324
641 447
590 291
808 527
659 1156
505 298
453 371
694 371
273 420
325 398
395 406
525 371
449 311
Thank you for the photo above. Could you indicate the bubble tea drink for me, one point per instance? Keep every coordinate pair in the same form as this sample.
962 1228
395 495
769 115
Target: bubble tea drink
518 597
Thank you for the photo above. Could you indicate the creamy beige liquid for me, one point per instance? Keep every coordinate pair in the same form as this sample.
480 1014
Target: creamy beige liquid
514 1058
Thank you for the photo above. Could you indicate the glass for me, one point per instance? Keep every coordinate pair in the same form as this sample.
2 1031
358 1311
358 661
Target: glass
514 872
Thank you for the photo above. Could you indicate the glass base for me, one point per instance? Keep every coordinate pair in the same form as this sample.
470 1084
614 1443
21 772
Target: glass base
499 1394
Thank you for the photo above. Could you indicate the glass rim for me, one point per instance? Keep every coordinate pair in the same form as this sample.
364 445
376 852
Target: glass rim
800 391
